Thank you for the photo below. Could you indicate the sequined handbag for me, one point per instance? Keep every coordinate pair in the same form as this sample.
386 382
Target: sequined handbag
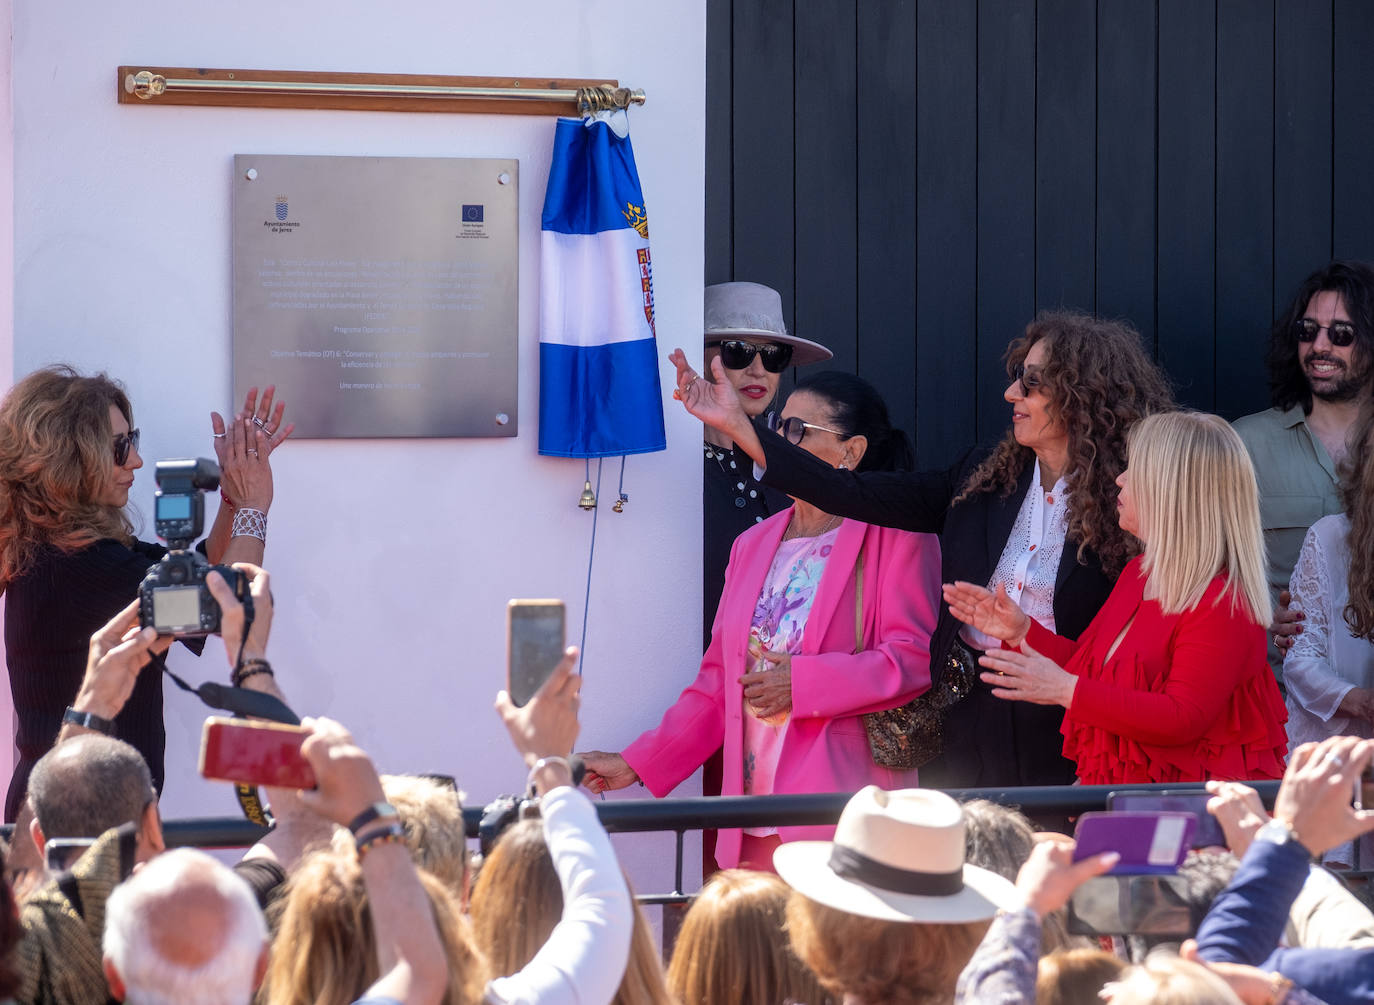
912 735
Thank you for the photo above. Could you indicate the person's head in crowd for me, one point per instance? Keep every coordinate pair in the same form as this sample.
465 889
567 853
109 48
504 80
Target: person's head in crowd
325 948
517 901
733 946
853 918
432 815
24 865
1000 839
1322 346
1078 384
184 929
1205 875
1165 979
1189 494
1075 976
11 931
842 419
1357 500
90 783
68 452
744 327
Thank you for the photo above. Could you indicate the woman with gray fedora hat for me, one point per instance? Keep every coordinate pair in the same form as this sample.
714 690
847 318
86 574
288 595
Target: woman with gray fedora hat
743 326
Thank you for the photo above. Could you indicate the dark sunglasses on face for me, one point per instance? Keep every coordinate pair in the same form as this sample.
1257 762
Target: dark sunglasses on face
1028 379
793 430
736 354
1341 333
123 443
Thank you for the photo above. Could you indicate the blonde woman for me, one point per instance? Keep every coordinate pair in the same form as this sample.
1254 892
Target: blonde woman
733 946
1169 683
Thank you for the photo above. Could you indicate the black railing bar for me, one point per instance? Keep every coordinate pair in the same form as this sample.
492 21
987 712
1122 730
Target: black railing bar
677 870
702 812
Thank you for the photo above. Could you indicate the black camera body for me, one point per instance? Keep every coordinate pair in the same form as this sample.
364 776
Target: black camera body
173 597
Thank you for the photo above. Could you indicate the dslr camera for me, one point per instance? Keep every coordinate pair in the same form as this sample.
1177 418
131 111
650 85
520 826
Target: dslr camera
173 597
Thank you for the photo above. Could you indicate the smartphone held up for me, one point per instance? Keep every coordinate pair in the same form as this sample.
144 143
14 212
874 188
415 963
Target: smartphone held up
535 640
254 752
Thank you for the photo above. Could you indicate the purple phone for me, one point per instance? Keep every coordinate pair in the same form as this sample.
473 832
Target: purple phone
1150 843
1208 834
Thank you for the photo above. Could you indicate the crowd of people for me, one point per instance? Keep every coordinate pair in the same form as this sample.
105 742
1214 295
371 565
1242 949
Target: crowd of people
1119 591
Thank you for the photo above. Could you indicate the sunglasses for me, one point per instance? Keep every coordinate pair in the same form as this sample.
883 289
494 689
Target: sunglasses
793 430
1028 379
123 443
1341 333
736 354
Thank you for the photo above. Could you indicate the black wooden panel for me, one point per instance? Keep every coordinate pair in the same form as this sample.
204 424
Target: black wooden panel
826 210
1006 195
1126 163
1353 203
1302 143
886 193
764 232
1065 153
1187 173
1245 202
719 163
946 218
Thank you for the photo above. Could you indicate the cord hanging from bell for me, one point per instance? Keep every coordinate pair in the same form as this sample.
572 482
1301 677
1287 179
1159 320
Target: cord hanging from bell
619 506
587 500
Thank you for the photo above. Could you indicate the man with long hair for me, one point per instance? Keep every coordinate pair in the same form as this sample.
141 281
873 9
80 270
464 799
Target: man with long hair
1321 366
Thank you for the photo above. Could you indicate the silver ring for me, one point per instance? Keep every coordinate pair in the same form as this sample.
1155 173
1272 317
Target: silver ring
219 436
1278 639
261 424
1336 761
252 451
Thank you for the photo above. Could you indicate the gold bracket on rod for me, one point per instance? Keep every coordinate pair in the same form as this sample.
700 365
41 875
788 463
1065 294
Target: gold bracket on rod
388 92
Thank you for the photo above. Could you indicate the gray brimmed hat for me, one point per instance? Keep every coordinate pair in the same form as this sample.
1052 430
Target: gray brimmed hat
754 311
897 856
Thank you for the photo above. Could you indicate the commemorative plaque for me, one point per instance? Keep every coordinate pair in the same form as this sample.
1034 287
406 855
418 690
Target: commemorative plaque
379 294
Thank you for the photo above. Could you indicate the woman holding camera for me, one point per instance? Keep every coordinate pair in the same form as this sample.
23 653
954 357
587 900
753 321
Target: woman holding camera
68 557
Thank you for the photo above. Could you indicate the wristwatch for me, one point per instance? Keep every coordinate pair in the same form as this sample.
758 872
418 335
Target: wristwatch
375 812
1279 833
89 720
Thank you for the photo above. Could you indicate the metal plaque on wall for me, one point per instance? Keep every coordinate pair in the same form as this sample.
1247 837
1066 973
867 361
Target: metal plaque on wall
379 294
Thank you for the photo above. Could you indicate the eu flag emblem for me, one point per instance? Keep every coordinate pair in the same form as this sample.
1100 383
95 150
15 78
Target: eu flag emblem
472 214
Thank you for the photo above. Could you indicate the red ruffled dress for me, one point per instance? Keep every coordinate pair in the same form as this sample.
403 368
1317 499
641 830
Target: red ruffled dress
1185 697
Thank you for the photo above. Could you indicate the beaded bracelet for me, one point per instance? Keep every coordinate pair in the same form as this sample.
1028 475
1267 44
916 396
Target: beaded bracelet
224 498
250 668
249 522
390 835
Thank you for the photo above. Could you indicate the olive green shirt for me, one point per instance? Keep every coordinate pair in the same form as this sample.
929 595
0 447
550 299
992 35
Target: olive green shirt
1297 487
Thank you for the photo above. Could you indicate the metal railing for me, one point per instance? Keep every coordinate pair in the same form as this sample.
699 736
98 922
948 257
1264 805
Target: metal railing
680 816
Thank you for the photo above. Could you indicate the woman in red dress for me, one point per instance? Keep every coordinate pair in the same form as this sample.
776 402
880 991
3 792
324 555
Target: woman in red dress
1169 683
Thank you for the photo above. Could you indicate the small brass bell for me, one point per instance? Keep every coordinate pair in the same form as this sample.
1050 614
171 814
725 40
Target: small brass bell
587 500
619 506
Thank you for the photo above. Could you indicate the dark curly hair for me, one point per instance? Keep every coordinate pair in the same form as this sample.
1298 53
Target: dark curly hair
1354 281
1099 383
1357 499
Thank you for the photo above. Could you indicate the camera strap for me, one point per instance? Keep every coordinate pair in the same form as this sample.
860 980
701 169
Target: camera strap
243 704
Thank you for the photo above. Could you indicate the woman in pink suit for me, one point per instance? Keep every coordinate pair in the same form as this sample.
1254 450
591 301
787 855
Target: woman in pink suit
798 654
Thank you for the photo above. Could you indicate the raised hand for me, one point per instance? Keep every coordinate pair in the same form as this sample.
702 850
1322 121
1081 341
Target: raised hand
716 404
606 771
994 614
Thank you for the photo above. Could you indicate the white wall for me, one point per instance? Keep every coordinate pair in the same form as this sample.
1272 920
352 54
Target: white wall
392 560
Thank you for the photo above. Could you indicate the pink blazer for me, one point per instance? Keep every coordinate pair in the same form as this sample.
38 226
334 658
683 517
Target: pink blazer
825 747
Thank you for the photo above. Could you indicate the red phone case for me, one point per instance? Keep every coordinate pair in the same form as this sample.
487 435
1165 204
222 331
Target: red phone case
258 753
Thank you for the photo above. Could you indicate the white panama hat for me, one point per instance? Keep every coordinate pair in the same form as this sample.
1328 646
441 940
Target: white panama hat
897 856
754 311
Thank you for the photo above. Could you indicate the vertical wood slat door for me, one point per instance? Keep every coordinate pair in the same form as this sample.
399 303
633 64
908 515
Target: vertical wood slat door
919 177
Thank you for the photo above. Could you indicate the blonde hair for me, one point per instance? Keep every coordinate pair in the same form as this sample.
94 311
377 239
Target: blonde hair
1198 506
325 952
881 961
517 900
733 946
56 455
1170 980
432 816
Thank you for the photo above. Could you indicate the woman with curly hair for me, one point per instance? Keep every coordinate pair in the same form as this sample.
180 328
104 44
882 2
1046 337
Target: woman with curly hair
1036 515
68 556
1170 682
1329 671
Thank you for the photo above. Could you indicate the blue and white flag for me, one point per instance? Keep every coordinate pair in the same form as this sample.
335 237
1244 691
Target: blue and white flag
599 393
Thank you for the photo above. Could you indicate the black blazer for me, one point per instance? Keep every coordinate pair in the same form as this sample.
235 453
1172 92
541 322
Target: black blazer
972 533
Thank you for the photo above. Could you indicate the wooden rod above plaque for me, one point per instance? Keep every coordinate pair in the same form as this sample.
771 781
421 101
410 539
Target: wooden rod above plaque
378 92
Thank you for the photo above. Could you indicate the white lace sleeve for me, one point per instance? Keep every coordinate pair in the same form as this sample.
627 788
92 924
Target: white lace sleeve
1307 670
